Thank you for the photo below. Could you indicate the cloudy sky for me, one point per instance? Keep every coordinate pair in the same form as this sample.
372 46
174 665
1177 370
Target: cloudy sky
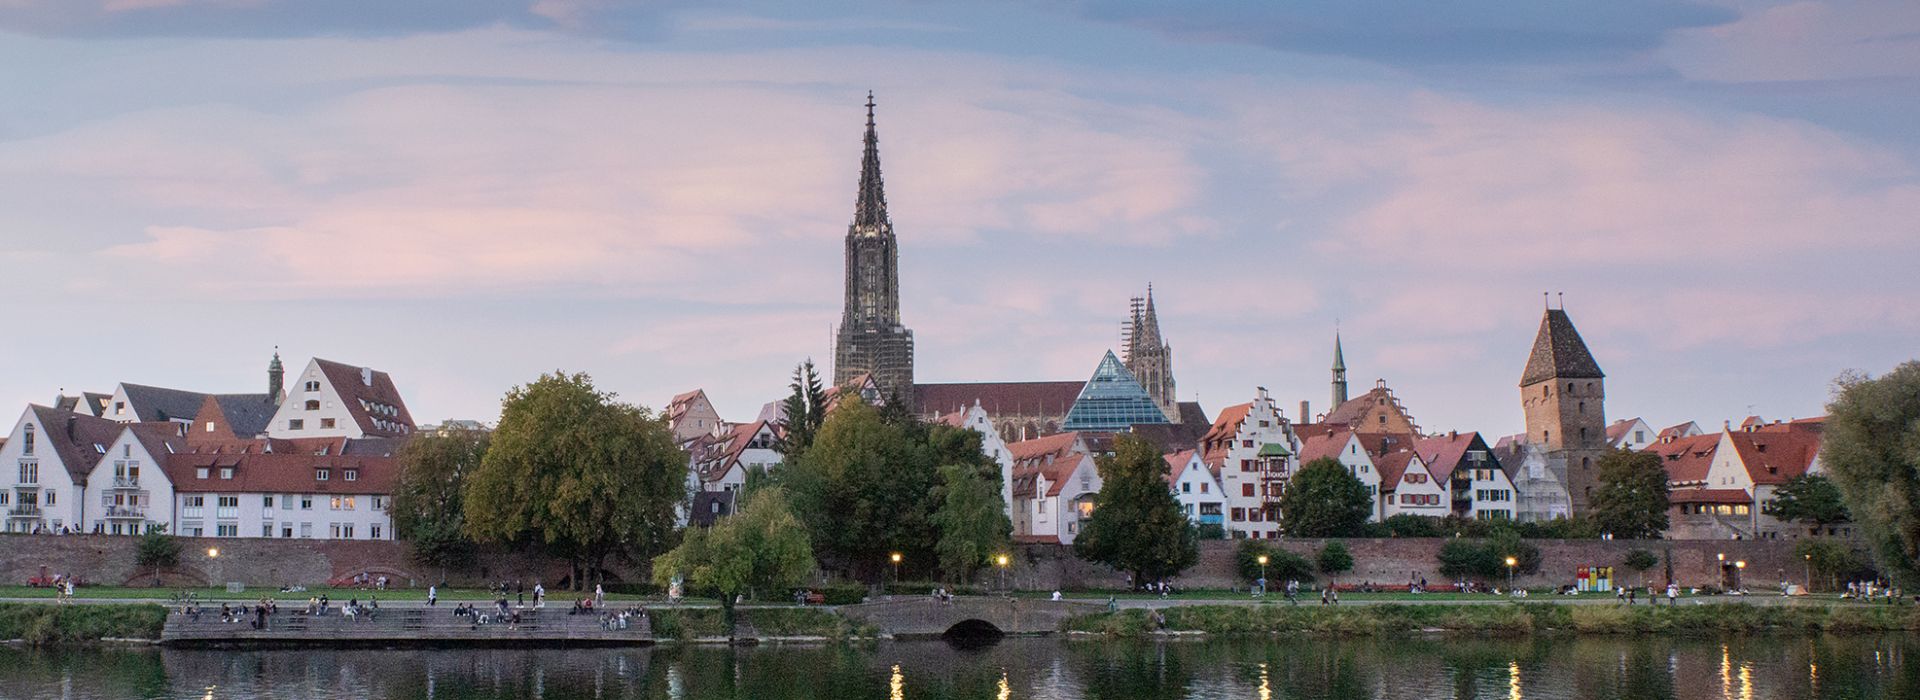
467 193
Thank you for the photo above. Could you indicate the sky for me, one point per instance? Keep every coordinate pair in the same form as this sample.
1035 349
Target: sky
468 193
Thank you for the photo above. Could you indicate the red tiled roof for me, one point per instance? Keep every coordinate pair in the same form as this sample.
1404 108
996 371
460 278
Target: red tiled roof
1377 444
1709 496
1619 429
1687 459
1000 398
355 395
1774 457
1325 444
1177 464
1219 438
281 473
1444 453
1392 466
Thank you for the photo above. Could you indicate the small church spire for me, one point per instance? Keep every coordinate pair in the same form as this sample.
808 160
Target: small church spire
1339 372
276 377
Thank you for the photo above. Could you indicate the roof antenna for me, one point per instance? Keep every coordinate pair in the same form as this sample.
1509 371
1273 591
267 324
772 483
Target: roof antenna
1545 301
1563 301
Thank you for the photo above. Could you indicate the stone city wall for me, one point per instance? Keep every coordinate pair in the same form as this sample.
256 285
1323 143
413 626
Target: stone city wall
110 560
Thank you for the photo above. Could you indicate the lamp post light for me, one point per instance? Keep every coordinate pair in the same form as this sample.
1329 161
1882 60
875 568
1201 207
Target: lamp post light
213 556
1001 561
1739 568
1263 573
895 557
1809 572
1511 562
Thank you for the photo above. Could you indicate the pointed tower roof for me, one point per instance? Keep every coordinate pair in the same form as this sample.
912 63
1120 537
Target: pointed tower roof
1339 357
870 206
1559 353
1112 401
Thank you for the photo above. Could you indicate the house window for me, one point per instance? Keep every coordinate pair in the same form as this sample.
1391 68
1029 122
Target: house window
266 529
313 404
52 497
1239 515
320 475
351 474
346 530
119 408
333 530
1246 443
195 506
226 473
379 503
334 503
373 532
29 472
1186 487
296 424
1246 490
286 530
209 426
266 502
306 530
1383 420
346 503
200 473
326 423
1203 487
313 386
26 441
229 507
306 502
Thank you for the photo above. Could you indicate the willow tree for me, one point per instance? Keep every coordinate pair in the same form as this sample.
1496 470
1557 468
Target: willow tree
759 549
574 471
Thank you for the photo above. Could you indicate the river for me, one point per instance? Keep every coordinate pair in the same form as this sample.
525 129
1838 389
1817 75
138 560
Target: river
1743 668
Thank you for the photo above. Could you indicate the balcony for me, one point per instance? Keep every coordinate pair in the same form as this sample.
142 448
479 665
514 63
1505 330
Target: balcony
25 510
126 482
130 512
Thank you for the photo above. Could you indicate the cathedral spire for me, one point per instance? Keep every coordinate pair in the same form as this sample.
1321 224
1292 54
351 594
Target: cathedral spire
870 207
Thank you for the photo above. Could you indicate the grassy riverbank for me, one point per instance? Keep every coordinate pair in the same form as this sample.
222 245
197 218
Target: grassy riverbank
688 624
1504 619
41 624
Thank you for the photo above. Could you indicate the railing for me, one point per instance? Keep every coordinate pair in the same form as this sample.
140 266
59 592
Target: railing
126 482
126 512
24 511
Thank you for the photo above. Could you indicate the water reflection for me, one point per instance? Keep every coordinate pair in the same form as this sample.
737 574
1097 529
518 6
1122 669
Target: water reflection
1792 668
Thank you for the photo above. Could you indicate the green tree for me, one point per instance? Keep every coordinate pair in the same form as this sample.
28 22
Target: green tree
157 550
427 499
1137 526
1640 560
805 408
1834 560
1324 500
1281 565
760 548
1631 501
865 488
1871 446
972 520
1409 525
1334 559
579 473
1487 559
1809 498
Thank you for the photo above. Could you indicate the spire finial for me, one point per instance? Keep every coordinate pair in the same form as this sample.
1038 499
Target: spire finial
869 109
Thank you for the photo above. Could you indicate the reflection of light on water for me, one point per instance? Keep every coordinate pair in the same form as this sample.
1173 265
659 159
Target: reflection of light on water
1513 681
210 688
1746 682
1726 673
676 685
1006 690
897 686
1813 677
1266 690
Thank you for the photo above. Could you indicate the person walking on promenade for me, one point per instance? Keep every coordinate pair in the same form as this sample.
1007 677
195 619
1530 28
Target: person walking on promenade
539 595
599 595
433 596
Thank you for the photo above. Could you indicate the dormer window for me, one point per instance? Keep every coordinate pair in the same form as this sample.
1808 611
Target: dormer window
351 474
226 473
200 473
320 475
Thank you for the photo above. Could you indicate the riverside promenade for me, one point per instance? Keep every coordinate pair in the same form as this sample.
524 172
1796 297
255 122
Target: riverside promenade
402 625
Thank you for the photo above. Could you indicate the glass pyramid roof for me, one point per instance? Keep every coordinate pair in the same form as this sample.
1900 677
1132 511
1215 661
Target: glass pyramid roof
1112 401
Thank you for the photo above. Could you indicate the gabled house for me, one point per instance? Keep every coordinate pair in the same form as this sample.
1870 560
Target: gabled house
721 459
1539 494
1196 487
1480 488
1253 449
1632 434
1341 445
338 400
691 415
45 464
128 490
224 490
1055 482
1408 488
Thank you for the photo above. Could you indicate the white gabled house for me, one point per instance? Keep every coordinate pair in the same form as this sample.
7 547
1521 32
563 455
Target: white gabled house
1253 448
976 419
128 490
1409 488
1341 445
44 466
1632 434
1196 488
1055 482
335 400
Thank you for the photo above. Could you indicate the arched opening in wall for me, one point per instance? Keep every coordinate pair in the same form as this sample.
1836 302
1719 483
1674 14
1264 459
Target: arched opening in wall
972 633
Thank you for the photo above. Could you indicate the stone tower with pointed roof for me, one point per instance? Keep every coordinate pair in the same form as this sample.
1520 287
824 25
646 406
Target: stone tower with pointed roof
276 379
1564 395
1149 357
1339 374
871 339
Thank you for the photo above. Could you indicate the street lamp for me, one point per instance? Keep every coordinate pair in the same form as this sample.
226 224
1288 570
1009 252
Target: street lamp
1739 568
1263 573
213 555
1809 572
896 567
1001 561
1511 562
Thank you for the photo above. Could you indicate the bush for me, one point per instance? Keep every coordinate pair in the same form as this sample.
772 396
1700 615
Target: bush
842 595
1282 565
1640 560
1487 559
1405 525
40 624
1210 531
1335 559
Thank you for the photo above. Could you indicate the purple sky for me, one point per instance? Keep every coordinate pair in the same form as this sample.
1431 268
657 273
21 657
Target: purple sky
468 193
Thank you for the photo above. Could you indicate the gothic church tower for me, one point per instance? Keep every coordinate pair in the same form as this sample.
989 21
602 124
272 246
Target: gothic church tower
1564 395
1149 357
870 338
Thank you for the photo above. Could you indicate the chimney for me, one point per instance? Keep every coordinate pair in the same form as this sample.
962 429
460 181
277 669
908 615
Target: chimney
1306 416
71 419
1452 434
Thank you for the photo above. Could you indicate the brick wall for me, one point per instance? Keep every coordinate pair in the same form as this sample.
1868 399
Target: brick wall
255 562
